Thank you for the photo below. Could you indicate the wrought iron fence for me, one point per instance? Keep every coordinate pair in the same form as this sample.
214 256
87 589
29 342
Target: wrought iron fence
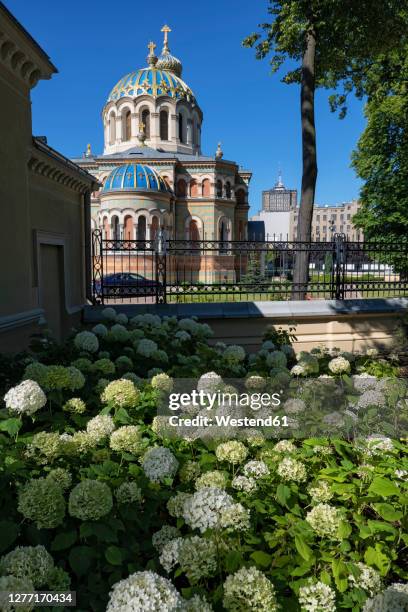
160 270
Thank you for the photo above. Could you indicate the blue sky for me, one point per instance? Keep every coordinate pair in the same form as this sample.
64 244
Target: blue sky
94 43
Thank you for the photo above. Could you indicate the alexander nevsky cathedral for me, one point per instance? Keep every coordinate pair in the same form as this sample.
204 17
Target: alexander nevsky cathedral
153 174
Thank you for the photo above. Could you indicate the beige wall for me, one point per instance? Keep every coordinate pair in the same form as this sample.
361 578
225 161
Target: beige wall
350 333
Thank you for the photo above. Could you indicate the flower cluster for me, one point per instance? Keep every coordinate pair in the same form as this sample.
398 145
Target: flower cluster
234 353
196 556
325 520
163 536
214 478
255 469
41 500
128 493
249 590
393 599
144 591
127 439
100 427
317 597
290 469
120 393
232 452
175 505
33 563
89 500
321 492
242 483
86 341
367 579
162 382
146 347
159 463
203 509
75 405
339 365
25 398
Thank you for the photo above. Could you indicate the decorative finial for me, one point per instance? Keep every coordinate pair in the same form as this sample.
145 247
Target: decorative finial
151 58
165 29
219 153
142 134
88 150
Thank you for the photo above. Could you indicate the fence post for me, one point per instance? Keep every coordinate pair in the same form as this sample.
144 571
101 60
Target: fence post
97 267
160 255
339 254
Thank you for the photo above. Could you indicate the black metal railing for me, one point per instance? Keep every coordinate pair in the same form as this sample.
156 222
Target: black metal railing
160 270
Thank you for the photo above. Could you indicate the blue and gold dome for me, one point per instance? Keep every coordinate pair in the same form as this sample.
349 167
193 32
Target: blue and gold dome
153 82
135 177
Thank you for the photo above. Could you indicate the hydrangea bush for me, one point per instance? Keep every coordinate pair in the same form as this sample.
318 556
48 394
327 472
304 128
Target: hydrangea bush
97 497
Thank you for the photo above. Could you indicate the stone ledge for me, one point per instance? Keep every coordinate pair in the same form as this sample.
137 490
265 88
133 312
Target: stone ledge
277 310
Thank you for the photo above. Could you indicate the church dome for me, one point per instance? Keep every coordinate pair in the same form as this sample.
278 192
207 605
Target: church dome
153 82
135 177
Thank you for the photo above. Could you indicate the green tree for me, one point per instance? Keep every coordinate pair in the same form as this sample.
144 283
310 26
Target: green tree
381 157
333 44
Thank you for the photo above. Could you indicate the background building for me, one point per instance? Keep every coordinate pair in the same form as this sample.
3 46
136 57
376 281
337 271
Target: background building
153 172
277 204
45 204
329 220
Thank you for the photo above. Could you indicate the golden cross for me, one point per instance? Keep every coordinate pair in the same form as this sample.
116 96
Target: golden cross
151 46
141 126
165 29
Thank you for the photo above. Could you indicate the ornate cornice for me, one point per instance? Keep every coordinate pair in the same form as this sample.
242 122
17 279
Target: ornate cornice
20 53
47 162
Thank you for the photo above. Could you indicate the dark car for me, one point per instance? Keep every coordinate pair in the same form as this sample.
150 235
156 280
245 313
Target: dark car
126 284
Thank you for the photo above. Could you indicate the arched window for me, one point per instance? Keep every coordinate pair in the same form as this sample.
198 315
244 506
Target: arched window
193 231
240 196
193 189
228 190
154 228
146 122
181 188
206 187
181 128
112 128
128 228
141 229
126 125
106 228
223 230
219 189
115 228
164 125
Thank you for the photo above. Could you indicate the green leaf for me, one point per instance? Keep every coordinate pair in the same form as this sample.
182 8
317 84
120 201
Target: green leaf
374 556
261 558
344 530
63 541
8 534
388 512
340 573
12 426
80 558
122 416
114 555
282 494
303 549
383 486
233 561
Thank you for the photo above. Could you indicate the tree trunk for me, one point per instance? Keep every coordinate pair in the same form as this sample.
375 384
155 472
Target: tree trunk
309 169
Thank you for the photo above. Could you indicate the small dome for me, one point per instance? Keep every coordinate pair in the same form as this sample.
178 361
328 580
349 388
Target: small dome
168 62
135 177
153 82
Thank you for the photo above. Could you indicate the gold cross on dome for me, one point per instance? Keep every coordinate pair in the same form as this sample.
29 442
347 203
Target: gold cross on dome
165 29
151 46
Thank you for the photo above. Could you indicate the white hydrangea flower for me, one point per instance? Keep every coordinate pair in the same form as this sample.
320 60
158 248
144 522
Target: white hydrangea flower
100 427
210 381
11 584
339 365
170 553
255 383
372 352
146 347
119 333
325 520
284 446
203 509
197 603
182 335
368 579
371 397
86 341
393 599
25 398
255 469
175 505
159 463
33 563
317 597
290 469
298 370
375 445
127 438
232 452
268 345
249 590
321 492
294 405
213 478
162 382
122 318
145 591
235 518
109 314
234 353
146 319
276 359
364 381
163 536
243 483
100 330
